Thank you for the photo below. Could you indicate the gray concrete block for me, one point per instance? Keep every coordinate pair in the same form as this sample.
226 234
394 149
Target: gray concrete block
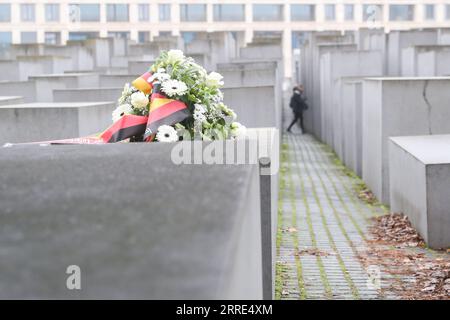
50 121
268 154
249 74
26 89
426 61
316 46
263 51
7 100
117 80
352 125
102 51
134 233
419 169
45 84
399 107
23 67
119 62
87 94
335 65
256 107
139 66
399 40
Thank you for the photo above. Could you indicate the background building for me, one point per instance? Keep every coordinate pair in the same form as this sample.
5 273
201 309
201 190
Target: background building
57 21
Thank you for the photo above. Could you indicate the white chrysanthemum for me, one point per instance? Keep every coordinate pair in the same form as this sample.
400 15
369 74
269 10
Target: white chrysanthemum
238 130
139 100
174 56
174 88
214 79
120 111
166 134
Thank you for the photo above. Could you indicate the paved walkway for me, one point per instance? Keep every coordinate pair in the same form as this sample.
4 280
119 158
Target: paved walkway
323 225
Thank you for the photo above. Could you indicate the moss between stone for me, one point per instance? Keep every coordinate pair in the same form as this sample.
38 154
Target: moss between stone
347 277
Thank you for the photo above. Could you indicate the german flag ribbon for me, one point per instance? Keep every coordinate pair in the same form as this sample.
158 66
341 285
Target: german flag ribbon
142 83
124 128
163 111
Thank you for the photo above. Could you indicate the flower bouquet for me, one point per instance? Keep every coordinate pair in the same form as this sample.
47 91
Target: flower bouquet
175 100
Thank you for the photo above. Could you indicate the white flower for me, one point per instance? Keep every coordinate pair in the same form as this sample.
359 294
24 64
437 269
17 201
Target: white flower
174 87
174 56
238 130
139 100
126 92
199 117
161 70
120 111
214 79
160 76
166 134
127 89
199 108
218 97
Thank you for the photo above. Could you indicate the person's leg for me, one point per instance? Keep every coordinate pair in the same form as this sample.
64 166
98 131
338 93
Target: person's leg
293 122
301 122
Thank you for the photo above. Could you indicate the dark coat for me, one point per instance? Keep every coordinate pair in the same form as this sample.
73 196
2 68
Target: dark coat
298 102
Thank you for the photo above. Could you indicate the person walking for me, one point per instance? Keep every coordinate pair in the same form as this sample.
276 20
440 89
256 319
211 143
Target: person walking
298 105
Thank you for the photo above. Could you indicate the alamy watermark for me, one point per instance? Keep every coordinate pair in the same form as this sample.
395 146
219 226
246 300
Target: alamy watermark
73 281
257 147
373 14
75 16
374 277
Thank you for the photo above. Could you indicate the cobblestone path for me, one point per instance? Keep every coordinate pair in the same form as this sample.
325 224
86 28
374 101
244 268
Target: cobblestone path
322 226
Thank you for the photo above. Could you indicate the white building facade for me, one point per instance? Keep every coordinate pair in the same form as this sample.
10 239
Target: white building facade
57 21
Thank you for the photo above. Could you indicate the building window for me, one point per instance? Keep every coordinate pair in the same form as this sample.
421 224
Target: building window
51 12
349 12
119 34
229 12
143 36
447 12
28 37
164 12
298 39
52 37
267 12
401 12
87 12
429 12
5 12
330 12
117 12
372 12
144 12
193 12
303 12
27 13
5 38
188 37
78 36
